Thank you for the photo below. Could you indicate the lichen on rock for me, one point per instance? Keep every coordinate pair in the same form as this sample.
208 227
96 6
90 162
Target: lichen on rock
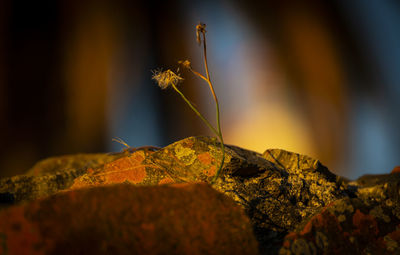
294 203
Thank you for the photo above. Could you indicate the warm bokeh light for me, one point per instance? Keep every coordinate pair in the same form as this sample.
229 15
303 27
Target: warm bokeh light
270 126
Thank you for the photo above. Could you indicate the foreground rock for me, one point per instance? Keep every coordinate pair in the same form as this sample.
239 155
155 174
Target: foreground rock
366 223
124 219
348 226
282 193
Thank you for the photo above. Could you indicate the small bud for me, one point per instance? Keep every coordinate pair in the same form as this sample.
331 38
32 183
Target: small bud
166 78
200 28
186 64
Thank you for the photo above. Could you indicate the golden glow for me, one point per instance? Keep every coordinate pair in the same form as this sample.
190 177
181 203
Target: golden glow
271 126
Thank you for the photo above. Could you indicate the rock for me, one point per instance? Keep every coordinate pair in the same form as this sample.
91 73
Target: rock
278 190
73 162
294 203
191 159
50 176
127 219
284 192
367 223
349 226
134 168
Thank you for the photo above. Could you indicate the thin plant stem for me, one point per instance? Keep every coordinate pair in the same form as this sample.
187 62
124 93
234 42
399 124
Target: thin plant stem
206 67
168 78
210 83
216 105
199 74
195 110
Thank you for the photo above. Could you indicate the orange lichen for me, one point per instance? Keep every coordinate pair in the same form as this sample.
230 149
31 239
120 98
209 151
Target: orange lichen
364 223
205 158
307 229
210 171
133 174
126 169
166 180
130 168
395 170
286 244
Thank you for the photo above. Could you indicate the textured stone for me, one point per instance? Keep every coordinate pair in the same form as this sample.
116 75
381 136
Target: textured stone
126 219
73 162
279 190
50 176
295 204
366 222
282 193
348 226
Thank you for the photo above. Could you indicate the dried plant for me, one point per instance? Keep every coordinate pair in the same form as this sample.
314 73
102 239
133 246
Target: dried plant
168 78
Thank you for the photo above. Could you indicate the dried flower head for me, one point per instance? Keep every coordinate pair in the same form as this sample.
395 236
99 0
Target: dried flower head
200 29
186 64
166 78
169 78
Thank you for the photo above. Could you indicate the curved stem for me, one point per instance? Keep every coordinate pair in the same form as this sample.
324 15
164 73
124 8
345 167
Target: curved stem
199 74
195 110
206 67
205 56
217 108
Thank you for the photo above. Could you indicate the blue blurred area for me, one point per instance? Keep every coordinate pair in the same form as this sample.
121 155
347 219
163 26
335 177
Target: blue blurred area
375 138
133 117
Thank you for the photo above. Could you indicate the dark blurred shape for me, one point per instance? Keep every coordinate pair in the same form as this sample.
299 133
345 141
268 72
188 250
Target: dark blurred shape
62 60
6 199
31 85
316 77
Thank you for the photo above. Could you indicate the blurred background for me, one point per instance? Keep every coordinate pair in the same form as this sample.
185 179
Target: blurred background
320 78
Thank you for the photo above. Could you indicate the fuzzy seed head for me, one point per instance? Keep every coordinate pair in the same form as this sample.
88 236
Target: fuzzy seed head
166 78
